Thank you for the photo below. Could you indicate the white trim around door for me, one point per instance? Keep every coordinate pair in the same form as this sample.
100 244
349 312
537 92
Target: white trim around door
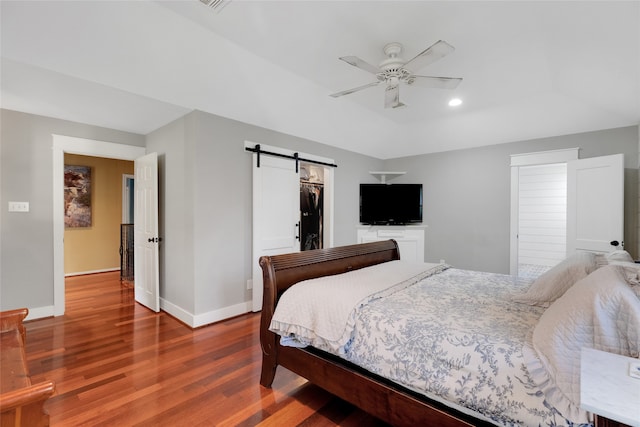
87 147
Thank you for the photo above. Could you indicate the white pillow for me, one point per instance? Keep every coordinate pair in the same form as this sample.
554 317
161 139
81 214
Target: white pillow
618 255
553 283
632 274
600 312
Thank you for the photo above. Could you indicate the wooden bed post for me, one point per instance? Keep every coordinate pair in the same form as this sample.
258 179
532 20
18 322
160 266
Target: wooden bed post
268 338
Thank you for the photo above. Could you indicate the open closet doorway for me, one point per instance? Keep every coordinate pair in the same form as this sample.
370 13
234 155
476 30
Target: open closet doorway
561 204
311 207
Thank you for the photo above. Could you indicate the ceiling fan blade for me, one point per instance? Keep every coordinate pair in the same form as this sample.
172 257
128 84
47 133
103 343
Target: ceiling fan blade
430 55
355 89
392 96
359 63
434 82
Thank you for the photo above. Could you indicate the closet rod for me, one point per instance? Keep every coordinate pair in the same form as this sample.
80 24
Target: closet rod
295 157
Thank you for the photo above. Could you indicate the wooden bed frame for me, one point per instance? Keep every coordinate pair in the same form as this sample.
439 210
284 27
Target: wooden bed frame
373 394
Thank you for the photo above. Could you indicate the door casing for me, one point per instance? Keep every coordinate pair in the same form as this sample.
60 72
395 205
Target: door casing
87 147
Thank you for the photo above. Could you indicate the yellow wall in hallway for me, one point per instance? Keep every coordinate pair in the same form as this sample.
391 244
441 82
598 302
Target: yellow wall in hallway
96 248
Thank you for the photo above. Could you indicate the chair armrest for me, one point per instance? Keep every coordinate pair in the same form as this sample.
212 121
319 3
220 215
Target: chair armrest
12 319
27 395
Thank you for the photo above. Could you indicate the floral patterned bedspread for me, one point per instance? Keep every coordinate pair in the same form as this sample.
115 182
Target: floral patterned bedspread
456 336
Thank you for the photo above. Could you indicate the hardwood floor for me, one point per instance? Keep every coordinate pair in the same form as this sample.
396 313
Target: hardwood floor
115 363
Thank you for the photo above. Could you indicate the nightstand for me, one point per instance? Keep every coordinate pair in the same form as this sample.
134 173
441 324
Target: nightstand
607 390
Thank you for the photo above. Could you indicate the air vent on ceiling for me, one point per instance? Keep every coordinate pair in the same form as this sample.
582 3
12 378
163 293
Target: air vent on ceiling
216 5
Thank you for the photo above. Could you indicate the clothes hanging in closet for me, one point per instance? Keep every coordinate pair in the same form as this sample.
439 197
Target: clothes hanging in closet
311 201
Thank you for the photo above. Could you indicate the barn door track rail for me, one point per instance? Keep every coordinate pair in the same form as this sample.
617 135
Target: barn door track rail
295 157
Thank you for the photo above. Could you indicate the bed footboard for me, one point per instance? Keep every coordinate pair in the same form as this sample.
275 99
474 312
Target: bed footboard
279 272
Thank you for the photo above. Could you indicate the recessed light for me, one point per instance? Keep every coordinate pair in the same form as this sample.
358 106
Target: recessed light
455 102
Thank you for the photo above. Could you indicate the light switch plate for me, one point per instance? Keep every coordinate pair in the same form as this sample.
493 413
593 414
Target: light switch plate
18 206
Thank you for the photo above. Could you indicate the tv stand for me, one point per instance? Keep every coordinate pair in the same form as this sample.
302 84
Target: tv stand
410 238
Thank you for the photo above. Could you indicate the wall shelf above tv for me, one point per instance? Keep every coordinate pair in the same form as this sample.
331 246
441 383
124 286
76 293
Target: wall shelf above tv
384 176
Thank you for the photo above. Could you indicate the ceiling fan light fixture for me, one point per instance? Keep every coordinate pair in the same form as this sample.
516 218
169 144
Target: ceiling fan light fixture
394 71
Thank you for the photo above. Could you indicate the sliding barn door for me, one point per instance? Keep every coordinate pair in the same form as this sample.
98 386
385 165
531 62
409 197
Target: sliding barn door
595 204
276 214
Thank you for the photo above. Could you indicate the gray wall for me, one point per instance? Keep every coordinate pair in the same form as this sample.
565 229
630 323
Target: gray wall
26 169
175 201
205 205
205 201
467 194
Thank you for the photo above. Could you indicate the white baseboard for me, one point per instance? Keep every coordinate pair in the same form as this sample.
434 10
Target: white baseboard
197 320
222 314
40 312
192 320
82 273
178 312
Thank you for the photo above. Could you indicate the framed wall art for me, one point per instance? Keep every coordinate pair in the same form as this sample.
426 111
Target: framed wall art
77 196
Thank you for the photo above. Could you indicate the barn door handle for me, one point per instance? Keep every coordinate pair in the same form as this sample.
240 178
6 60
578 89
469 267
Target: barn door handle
614 243
298 231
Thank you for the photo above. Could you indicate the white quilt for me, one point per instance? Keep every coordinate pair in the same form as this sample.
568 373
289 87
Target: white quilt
455 337
303 317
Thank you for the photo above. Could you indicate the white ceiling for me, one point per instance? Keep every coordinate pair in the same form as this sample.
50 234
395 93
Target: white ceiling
530 69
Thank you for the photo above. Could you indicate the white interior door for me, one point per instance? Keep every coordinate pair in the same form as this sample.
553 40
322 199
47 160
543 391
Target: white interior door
595 203
146 239
276 214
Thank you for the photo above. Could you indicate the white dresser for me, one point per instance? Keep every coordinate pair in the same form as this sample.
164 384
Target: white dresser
410 239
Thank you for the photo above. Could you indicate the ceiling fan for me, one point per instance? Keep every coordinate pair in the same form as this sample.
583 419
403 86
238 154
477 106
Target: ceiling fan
395 70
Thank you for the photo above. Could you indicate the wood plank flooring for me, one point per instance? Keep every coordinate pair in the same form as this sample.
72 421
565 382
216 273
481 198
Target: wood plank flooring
115 363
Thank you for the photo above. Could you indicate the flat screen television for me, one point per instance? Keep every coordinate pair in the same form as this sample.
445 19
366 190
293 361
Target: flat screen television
390 204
